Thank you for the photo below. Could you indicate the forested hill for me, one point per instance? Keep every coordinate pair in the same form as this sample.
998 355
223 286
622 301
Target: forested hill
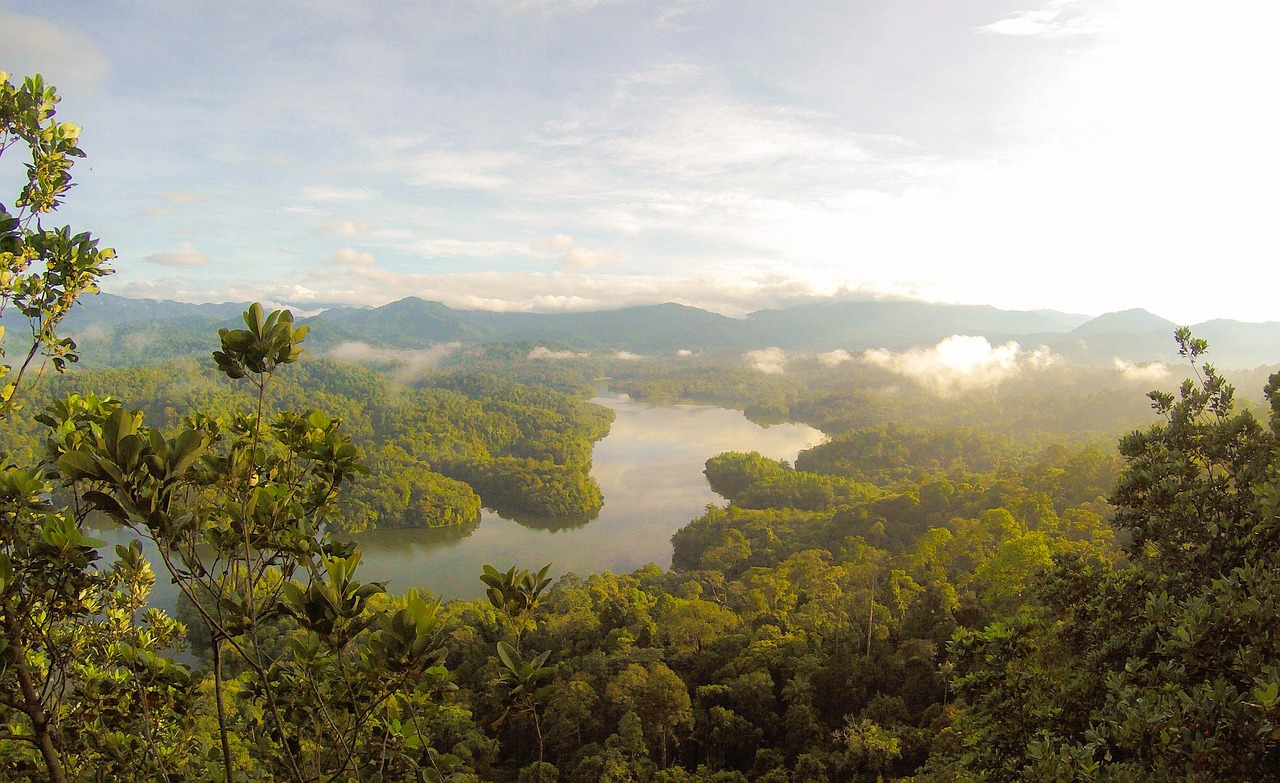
436 450
116 331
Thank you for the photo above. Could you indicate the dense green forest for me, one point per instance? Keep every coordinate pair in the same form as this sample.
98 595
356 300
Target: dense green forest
434 450
974 595
1049 406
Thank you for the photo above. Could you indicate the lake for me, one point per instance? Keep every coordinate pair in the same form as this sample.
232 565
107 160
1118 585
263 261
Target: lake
650 470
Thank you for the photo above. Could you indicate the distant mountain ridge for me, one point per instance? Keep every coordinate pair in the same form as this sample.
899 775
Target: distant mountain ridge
1134 321
890 324
823 326
133 330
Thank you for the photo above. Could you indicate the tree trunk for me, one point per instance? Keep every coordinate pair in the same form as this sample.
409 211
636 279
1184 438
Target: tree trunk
218 698
33 707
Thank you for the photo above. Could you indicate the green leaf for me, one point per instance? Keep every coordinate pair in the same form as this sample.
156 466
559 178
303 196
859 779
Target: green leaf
187 448
509 656
80 465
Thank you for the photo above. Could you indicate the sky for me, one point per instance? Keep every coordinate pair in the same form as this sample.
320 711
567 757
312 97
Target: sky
1079 155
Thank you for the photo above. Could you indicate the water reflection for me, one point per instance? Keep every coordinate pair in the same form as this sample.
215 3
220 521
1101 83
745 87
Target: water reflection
649 469
554 524
409 540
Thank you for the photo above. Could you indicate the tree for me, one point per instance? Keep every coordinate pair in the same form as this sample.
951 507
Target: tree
1200 497
1166 668
731 473
657 696
43 271
520 689
55 604
342 680
866 746
515 594
237 508
688 625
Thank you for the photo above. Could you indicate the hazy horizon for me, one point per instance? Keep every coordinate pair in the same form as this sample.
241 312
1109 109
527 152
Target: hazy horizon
308 309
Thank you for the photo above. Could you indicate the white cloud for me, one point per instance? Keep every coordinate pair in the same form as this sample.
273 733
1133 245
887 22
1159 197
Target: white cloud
542 352
184 256
405 364
553 303
770 361
96 332
673 15
668 155
555 244
961 363
481 170
575 257
437 248
701 135
336 193
627 356
1147 372
580 258
554 6
1043 358
343 227
836 357
68 60
1057 19
298 312
350 257
664 73
184 197
684 352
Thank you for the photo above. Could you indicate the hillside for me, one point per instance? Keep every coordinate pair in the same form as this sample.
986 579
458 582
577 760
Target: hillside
117 331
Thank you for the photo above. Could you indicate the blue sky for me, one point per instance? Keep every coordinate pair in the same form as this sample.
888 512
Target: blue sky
1081 155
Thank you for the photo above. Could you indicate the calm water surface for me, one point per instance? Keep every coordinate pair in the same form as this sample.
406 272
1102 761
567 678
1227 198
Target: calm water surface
650 470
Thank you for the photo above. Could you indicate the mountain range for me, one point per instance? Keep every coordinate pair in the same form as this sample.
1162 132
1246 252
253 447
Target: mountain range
131 330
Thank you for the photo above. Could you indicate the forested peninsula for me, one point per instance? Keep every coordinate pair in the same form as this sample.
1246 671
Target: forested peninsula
435 450
976 585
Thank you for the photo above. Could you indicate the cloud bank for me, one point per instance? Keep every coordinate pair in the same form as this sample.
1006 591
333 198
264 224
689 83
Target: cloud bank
542 352
962 363
770 361
185 256
406 364
835 358
1147 372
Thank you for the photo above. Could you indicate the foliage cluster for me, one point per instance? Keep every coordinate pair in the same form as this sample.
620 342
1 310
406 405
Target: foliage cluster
436 450
1166 667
